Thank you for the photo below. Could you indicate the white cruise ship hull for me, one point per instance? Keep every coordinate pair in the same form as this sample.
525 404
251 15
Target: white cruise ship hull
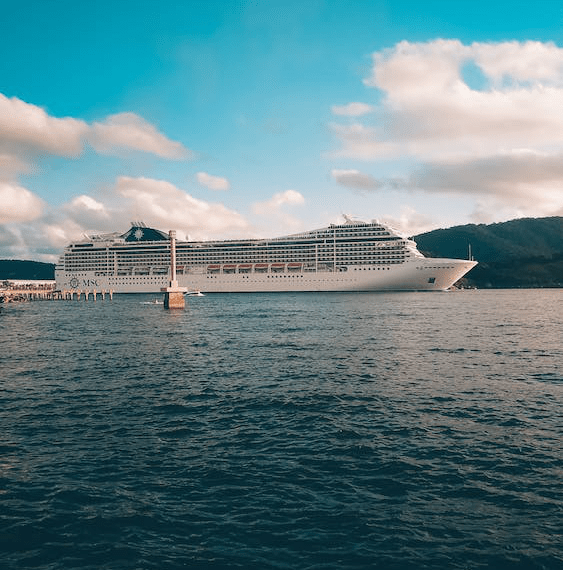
353 256
422 274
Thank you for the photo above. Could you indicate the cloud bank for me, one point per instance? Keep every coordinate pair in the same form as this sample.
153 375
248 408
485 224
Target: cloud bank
484 120
18 204
26 127
355 179
29 129
29 228
277 211
28 135
274 204
128 131
158 203
166 206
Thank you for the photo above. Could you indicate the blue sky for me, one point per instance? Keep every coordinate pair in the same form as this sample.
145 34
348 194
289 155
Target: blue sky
228 119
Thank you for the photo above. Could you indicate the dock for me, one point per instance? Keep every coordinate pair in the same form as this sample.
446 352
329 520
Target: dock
10 293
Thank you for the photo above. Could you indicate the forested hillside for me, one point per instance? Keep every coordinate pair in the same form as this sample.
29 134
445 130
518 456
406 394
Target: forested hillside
36 270
527 252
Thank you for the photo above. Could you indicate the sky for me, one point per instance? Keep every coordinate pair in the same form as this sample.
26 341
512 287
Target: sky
225 119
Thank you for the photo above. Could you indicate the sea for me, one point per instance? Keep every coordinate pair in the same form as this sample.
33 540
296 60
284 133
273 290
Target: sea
283 431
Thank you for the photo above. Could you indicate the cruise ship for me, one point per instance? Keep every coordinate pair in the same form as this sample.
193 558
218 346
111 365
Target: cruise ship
351 256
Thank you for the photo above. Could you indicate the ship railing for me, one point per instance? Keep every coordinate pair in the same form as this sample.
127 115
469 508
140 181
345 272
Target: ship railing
266 267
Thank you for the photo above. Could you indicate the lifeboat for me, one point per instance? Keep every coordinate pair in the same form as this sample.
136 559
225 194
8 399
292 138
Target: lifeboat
278 267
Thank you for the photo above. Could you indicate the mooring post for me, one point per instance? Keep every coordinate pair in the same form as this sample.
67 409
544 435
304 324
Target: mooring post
173 295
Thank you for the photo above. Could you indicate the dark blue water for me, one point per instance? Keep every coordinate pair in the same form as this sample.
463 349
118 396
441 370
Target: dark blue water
284 431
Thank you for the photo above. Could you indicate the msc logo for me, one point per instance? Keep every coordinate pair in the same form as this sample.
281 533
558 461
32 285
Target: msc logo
75 283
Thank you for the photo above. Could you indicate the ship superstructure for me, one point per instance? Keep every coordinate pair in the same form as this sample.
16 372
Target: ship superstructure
352 256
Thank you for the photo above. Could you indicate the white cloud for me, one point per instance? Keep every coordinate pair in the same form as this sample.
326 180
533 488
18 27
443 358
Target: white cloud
158 203
129 131
28 127
11 166
18 204
165 206
275 218
362 143
89 213
355 179
212 182
60 234
352 109
12 243
88 203
8 240
464 113
277 201
526 62
431 112
530 183
28 134
42 239
410 222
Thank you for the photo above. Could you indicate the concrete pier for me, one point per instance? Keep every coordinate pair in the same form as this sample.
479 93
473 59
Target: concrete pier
173 295
174 300
17 294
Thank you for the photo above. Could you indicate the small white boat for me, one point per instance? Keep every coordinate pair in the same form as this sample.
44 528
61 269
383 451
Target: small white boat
195 294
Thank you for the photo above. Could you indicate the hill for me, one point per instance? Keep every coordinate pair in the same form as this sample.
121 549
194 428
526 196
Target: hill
32 270
527 252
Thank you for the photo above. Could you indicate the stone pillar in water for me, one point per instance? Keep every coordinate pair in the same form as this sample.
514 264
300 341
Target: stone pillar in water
173 295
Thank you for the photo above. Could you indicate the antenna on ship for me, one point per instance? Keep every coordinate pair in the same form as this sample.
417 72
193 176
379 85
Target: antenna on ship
470 255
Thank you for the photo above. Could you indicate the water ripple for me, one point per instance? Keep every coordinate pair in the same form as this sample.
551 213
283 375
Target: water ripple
283 431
